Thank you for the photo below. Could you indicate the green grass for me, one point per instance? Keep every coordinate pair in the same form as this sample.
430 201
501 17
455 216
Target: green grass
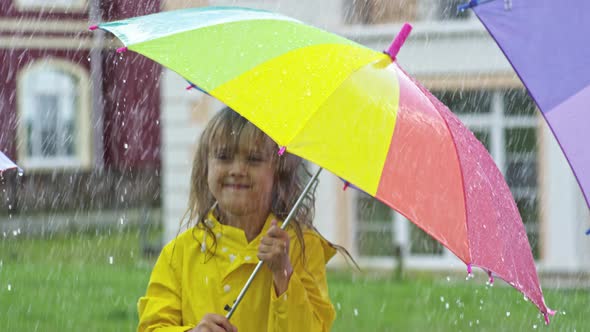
67 283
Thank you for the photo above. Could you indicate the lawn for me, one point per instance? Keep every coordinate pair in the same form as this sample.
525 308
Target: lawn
91 282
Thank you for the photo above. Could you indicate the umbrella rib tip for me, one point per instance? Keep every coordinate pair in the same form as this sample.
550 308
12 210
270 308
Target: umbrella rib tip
122 49
399 41
93 27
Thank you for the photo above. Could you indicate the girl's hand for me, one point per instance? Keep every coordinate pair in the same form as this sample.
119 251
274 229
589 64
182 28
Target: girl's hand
274 251
214 323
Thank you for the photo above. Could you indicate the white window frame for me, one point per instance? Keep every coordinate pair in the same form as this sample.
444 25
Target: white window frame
79 6
82 150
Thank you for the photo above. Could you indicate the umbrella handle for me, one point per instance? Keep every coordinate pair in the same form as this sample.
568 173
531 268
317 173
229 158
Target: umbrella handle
233 308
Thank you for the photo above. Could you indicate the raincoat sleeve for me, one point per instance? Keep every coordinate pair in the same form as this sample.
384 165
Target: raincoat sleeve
160 308
305 306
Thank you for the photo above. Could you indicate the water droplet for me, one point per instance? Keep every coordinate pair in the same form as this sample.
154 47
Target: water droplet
338 306
448 278
447 305
9 287
356 312
507 313
442 299
124 81
477 322
111 260
534 326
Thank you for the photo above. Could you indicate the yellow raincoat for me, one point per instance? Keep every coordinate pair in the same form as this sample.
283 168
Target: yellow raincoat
187 283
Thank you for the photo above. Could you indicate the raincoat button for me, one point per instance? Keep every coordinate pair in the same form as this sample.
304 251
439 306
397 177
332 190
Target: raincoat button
247 258
224 249
218 235
232 257
226 288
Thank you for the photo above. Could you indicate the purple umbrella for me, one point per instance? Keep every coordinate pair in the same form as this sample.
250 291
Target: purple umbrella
6 163
546 41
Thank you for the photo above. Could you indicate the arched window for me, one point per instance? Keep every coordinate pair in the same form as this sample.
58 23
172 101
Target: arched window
54 116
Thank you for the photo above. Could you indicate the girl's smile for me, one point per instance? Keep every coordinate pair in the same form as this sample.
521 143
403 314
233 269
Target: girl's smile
241 178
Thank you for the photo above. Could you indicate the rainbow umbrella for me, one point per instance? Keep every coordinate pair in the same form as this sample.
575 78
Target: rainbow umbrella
547 44
354 111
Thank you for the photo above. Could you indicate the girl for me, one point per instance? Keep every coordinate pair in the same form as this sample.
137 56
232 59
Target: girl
240 191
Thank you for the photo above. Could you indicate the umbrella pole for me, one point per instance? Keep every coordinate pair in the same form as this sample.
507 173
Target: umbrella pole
283 226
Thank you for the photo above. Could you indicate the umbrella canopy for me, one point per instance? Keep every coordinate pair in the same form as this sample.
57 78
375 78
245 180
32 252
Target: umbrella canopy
546 42
5 163
355 112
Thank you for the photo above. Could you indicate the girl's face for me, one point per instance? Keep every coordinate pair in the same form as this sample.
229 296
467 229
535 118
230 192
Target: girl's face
241 177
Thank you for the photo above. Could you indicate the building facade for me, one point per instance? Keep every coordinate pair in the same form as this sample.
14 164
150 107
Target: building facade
81 120
453 56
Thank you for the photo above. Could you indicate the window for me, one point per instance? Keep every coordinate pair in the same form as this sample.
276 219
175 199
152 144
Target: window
443 10
398 11
379 11
505 121
54 116
374 235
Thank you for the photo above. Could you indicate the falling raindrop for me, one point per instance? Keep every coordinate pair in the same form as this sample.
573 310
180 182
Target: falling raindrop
534 326
442 299
356 312
507 313
338 306
447 305
9 287
111 260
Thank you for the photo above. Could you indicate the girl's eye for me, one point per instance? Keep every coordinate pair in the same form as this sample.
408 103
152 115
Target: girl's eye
222 155
255 158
